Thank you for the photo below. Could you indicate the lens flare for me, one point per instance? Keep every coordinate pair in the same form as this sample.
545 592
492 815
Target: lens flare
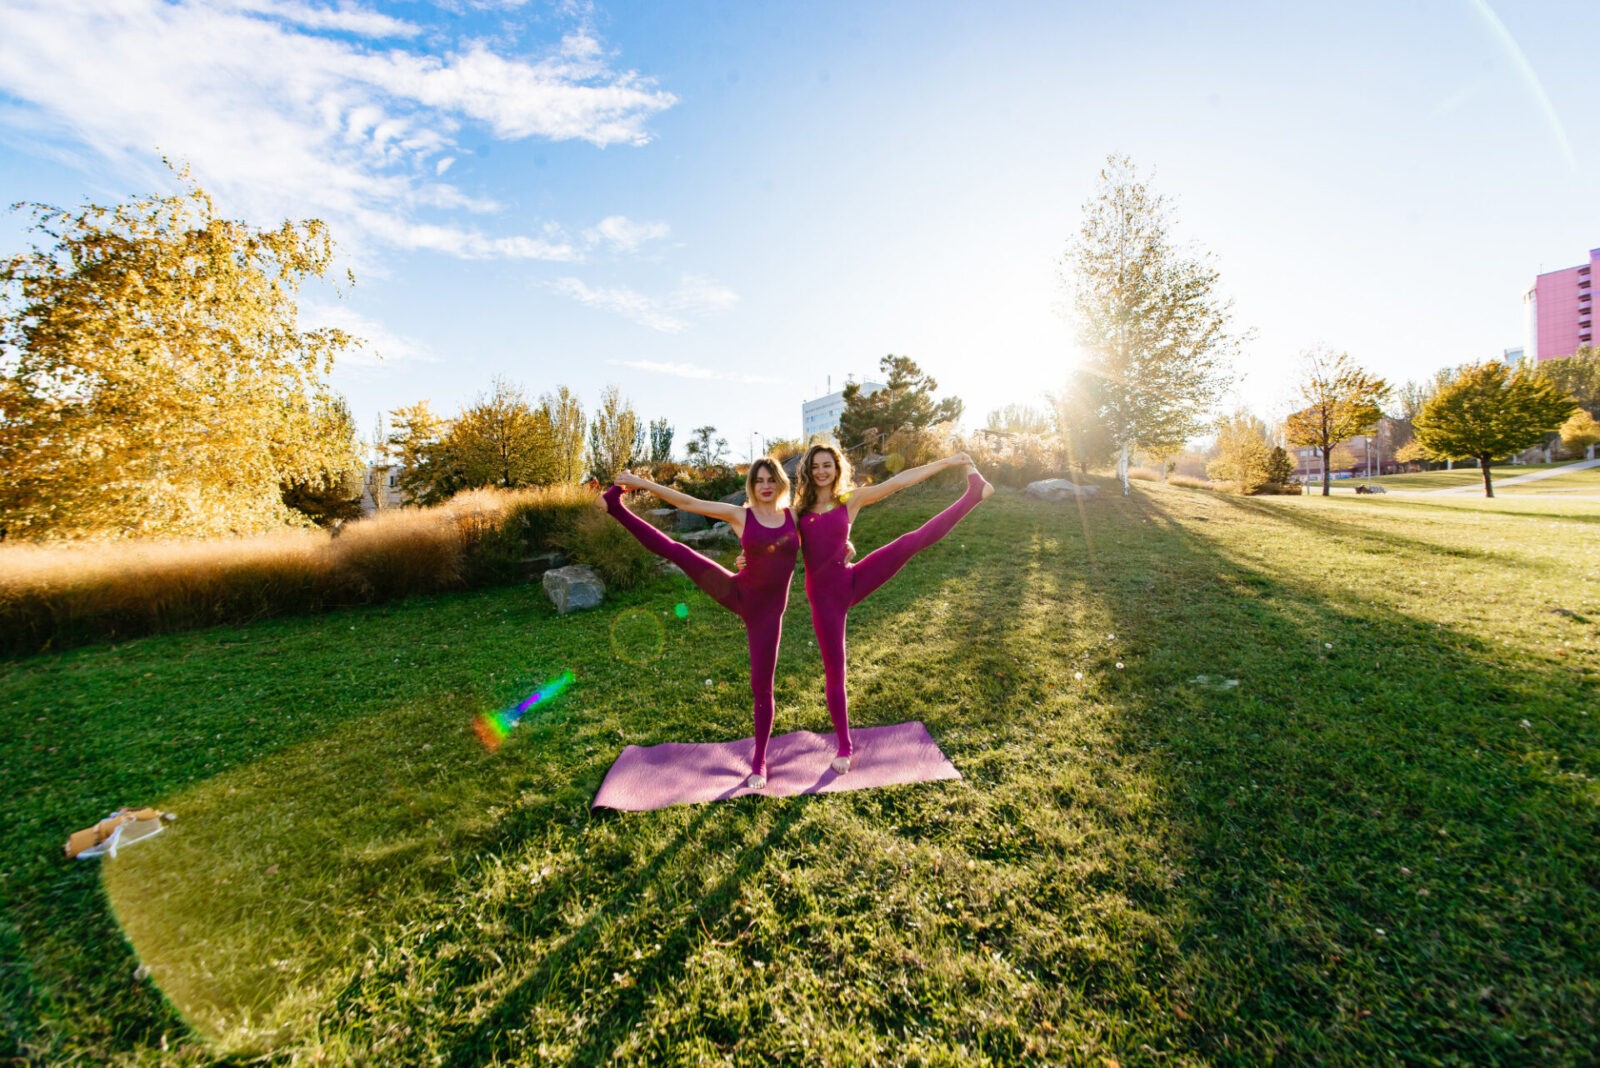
895 463
638 637
492 727
681 610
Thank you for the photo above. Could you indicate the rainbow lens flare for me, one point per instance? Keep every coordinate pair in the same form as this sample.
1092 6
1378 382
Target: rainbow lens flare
492 727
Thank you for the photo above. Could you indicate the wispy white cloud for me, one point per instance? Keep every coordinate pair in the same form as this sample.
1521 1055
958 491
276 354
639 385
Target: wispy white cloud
620 300
623 234
287 108
695 297
380 344
696 371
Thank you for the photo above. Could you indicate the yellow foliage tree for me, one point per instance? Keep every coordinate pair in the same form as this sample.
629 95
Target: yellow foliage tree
1242 453
153 377
1580 431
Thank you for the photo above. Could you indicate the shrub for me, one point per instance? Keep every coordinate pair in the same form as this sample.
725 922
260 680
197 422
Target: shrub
710 483
605 545
53 597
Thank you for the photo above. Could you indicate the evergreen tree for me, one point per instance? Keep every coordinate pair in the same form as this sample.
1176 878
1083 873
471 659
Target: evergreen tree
906 401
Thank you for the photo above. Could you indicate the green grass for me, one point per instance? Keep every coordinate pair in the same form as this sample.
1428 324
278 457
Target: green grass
1379 843
1585 481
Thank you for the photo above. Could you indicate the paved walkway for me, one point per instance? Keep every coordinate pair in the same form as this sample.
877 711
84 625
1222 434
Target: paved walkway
1535 476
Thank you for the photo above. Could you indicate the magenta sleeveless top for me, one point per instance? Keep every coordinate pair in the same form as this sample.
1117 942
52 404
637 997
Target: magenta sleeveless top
769 552
825 536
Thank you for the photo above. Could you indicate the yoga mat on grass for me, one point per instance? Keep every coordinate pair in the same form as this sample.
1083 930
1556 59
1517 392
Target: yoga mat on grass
685 773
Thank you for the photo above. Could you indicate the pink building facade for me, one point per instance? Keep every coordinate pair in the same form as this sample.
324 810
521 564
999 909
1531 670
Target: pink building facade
1560 309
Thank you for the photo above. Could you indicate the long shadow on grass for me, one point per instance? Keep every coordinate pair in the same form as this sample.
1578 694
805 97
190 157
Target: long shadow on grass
1389 823
87 731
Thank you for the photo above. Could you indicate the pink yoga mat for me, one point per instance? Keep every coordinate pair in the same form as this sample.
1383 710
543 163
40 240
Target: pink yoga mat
682 773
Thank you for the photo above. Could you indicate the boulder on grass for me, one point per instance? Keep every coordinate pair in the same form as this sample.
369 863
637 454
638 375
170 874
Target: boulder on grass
574 587
1059 489
685 521
720 533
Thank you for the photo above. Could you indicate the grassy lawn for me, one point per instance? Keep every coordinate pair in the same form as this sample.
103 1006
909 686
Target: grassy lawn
1245 779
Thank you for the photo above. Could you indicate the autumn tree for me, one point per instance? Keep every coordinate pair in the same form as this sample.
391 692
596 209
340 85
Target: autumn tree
1489 412
1341 401
501 440
1411 452
1156 332
333 495
1242 453
616 436
660 435
1580 431
564 414
905 402
154 377
415 434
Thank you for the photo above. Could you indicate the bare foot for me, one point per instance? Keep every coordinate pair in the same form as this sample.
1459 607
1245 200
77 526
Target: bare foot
756 782
840 765
988 490
613 492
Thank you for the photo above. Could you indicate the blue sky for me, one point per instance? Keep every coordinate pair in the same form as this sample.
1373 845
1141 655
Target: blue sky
719 206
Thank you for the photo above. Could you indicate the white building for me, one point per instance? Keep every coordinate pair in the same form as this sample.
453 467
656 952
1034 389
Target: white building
821 416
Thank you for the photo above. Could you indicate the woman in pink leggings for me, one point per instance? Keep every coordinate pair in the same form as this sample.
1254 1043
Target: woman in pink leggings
827 506
758 594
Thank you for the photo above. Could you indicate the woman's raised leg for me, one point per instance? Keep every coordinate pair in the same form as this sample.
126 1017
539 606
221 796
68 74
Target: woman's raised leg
882 563
710 576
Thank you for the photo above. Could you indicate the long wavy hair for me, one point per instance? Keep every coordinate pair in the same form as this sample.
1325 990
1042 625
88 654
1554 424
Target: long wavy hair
776 469
806 491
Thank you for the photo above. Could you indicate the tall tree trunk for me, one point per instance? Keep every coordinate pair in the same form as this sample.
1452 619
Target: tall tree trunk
1122 467
1326 453
1488 486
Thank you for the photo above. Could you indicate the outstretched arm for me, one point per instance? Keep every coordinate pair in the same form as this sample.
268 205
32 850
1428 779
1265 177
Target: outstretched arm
728 513
873 494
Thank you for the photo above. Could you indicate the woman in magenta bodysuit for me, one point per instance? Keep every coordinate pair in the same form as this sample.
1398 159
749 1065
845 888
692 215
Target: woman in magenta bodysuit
758 594
827 505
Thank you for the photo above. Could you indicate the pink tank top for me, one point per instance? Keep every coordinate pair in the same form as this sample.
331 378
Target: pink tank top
769 552
825 536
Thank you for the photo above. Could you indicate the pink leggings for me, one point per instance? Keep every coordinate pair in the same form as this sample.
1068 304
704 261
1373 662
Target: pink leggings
834 587
759 604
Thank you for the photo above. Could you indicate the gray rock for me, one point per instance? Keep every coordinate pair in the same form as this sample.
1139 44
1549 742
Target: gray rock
720 533
572 588
1059 489
690 521
661 517
736 497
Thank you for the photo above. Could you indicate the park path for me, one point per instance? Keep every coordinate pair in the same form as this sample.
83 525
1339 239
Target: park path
1535 476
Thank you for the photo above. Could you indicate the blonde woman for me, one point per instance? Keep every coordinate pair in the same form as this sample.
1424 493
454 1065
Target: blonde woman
827 505
758 594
